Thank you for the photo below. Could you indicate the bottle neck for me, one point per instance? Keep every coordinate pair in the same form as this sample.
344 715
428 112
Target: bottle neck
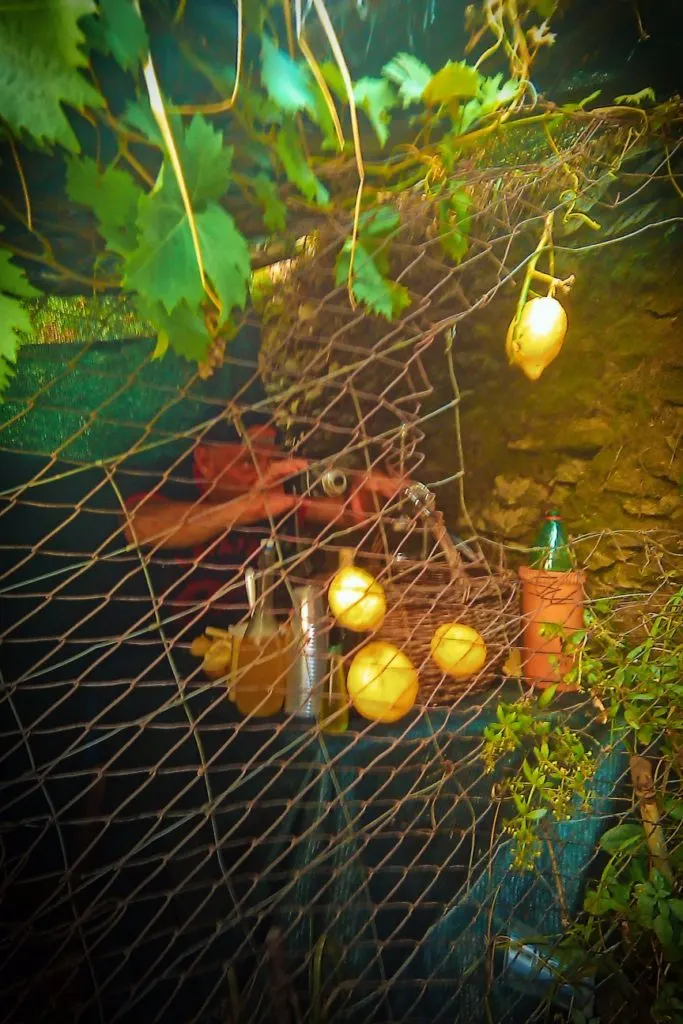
551 549
263 620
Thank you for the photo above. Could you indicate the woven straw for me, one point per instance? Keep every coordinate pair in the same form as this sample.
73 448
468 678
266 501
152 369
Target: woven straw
486 602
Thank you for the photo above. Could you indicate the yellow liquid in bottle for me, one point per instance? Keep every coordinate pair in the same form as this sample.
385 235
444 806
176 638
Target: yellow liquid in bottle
261 674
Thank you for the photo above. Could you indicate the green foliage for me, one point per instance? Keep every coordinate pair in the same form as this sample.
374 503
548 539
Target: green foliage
637 99
454 224
139 116
492 94
121 32
41 57
644 900
113 197
13 317
297 168
378 222
555 775
226 258
288 83
383 297
283 132
453 81
163 267
206 162
184 330
410 75
274 210
376 98
324 121
640 686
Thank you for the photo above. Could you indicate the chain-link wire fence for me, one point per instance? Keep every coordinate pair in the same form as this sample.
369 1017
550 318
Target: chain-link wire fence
166 855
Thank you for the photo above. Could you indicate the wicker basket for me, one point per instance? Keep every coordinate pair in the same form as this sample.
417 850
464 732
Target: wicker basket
423 595
486 601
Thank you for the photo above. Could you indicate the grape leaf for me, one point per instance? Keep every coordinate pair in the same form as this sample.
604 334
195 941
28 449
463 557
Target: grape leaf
493 95
274 210
454 80
40 57
123 32
454 224
376 97
335 80
323 118
287 83
164 267
226 258
13 317
410 75
381 220
206 162
184 330
138 116
13 280
205 159
297 167
52 25
113 197
384 297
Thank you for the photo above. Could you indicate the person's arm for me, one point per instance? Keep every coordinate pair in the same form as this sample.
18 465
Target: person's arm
182 524
368 496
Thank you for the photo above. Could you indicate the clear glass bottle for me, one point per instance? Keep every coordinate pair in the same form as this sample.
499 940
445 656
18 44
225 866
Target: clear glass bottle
551 551
334 705
263 658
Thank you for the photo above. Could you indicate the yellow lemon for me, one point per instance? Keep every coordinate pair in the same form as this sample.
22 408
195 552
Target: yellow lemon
357 600
538 336
382 682
458 650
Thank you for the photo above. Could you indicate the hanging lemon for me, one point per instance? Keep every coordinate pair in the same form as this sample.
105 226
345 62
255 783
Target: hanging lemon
458 650
357 600
382 682
537 337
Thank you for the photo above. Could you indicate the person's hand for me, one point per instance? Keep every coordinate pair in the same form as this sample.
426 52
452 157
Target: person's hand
267 495
370 491
368 494
278 470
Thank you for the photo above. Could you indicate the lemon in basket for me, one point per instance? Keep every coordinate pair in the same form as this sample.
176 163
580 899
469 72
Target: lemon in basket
458 650
357 599
382 682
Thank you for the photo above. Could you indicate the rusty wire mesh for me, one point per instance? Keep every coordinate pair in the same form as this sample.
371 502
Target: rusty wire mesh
166 858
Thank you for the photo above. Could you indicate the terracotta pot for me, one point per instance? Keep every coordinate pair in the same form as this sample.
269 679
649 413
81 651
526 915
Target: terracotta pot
549 597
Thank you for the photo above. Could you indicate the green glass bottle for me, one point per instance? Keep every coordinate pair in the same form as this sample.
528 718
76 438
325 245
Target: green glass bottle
334 703
551 551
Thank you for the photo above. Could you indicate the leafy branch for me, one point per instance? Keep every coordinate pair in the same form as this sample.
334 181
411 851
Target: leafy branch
178 206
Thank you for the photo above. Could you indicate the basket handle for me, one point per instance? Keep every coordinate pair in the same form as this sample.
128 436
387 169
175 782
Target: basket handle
445 541
423 500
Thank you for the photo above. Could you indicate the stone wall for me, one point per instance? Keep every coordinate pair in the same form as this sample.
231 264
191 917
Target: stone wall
599 435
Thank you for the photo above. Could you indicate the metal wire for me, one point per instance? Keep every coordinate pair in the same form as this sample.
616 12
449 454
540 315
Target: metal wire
152 837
